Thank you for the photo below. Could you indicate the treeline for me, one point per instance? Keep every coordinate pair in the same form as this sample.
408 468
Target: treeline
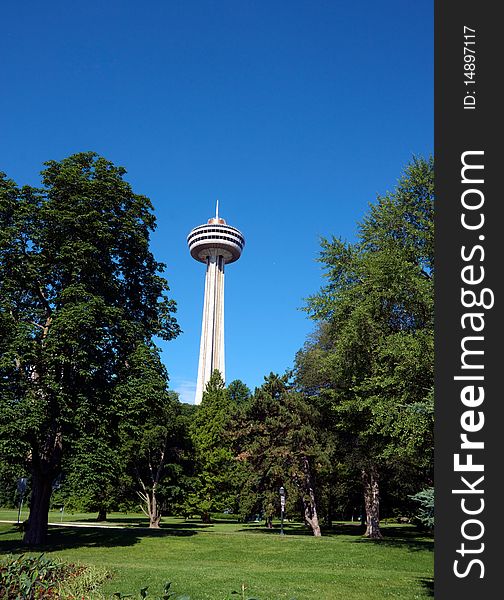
86 411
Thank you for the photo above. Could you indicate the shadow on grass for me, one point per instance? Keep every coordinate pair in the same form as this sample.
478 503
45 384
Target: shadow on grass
428 586
402 537
275 530
399 537
352 529
127 521
59 538
301 529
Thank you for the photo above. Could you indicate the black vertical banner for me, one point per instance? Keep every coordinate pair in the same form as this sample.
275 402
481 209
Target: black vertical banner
469 299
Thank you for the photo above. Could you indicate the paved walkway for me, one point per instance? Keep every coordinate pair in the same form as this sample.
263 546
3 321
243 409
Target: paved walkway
71 524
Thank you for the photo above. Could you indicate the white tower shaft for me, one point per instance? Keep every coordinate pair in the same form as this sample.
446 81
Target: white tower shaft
215 244
211 355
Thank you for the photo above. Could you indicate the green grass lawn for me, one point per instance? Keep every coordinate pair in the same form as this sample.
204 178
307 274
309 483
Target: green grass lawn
207 562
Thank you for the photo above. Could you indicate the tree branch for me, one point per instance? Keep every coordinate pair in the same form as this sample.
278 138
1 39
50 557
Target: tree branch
42 298
161 465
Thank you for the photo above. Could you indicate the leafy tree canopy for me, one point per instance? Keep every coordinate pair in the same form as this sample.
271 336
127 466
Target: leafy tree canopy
371 358
80 291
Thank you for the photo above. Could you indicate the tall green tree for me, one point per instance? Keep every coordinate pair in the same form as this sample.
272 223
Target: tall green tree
79 291
103 471
152 451
372 356
216 481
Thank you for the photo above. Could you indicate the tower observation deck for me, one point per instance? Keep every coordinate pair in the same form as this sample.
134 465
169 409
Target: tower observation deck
214 244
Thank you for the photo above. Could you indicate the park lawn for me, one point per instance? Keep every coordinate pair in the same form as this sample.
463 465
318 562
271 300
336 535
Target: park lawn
208 562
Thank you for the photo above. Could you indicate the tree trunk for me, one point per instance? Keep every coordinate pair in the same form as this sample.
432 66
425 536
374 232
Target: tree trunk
154 521
36 526
46 464
154 515
102 514
372 503
309 501
151 511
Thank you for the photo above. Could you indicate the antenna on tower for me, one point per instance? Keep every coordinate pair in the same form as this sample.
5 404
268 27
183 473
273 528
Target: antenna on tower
217 211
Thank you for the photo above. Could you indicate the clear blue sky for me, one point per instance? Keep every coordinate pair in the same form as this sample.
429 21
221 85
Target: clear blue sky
294 114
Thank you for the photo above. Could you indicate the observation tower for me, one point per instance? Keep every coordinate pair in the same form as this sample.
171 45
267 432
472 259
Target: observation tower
214 244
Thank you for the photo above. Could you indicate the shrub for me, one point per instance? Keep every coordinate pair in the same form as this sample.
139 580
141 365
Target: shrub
40 578
30 577
424 517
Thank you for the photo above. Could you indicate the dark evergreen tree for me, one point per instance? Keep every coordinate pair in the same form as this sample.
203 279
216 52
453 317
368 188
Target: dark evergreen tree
238 392
277 439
